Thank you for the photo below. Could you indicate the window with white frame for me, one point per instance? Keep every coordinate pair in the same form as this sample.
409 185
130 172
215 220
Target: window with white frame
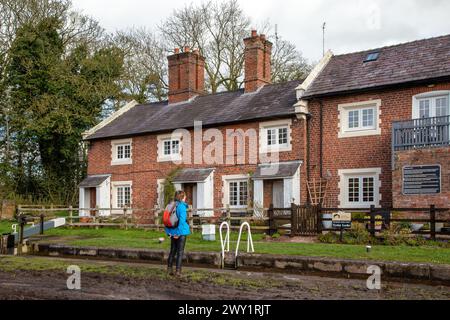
432 104
169 148
123 196
238 193
361 190
359 119
121 152
359 187
275 136
124 151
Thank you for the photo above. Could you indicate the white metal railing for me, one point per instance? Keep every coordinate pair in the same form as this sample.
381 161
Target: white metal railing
250 248
225 243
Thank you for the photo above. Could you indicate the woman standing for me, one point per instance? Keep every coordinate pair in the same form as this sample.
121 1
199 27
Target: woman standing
178 235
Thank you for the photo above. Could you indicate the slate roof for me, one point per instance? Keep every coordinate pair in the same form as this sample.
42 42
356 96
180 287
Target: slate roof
192 175
272 101
93 181
410 62
279 170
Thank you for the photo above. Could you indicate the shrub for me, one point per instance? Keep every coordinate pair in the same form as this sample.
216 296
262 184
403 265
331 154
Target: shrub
169 188
276 236
357 235
358 215
259 223
329 237
400 234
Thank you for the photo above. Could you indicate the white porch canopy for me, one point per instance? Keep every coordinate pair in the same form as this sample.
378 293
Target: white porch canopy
288 172
101 184
204 181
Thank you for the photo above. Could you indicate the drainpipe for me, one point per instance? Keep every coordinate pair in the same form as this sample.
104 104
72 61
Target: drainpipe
307 151
321 139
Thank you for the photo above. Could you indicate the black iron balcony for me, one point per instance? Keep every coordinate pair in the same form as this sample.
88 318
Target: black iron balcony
421 133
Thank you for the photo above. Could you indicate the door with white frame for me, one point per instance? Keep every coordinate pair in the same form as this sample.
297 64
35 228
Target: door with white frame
432 105
432 111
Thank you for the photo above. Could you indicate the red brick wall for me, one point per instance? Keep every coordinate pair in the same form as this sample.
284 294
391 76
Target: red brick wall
145 170
360 152
258 67
186 76
433 156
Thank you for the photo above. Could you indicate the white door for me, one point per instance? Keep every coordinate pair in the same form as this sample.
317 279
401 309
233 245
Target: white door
437 106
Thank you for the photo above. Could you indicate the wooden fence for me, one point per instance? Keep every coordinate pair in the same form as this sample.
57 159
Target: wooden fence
379 219
132 217
296 220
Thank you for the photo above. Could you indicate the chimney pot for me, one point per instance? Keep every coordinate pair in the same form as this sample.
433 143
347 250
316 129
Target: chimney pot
263 37
177 50
187 49
254 33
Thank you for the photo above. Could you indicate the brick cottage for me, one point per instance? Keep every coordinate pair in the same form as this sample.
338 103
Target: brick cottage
351 123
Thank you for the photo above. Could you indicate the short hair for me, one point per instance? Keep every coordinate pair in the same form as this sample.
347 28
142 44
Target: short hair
179 195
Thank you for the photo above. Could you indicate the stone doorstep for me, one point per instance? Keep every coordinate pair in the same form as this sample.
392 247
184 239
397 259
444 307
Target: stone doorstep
279 263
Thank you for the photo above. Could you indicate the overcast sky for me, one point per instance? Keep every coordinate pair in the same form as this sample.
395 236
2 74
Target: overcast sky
352 25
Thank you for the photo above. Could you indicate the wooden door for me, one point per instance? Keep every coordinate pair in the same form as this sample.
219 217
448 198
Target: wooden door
190 190
93 200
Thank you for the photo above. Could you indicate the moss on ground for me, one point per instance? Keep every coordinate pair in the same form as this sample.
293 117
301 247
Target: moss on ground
39 264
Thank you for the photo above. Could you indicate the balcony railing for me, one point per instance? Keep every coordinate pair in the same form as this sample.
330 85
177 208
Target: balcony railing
421 133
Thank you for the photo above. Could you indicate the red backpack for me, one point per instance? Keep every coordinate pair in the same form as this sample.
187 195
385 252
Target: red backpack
170 217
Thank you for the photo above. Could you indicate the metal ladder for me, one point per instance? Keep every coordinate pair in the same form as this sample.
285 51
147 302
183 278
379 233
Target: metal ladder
225 243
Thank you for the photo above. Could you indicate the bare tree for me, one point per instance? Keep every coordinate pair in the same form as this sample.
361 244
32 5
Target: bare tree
287 62
217 30
145 74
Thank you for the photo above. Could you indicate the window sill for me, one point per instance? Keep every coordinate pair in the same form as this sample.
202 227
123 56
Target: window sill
238 207
275 150
121 162
170 158
362 133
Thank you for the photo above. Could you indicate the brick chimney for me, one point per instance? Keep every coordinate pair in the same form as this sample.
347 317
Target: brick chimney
258 68
186 75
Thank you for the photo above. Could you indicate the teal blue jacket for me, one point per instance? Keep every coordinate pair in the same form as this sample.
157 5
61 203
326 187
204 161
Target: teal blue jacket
183 228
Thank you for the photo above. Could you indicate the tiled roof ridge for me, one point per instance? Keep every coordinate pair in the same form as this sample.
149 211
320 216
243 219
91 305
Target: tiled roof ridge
392 46
224 92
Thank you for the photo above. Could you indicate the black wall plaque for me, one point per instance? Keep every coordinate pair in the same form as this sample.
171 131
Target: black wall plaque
421 180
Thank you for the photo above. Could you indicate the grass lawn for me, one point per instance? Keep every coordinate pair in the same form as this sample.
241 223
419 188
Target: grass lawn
142 239
5 226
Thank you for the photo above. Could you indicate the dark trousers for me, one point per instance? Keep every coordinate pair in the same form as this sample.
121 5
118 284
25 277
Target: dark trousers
176 250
